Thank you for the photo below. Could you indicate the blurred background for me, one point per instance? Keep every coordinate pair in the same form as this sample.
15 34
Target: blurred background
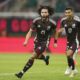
33 5
16 19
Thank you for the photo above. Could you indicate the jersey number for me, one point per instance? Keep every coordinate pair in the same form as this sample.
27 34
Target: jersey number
43 32
70 30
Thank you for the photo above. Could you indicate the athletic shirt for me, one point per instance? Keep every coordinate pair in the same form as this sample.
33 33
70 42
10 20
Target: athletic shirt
43 29
72 28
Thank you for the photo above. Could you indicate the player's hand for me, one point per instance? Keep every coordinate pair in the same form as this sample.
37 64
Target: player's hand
55 45
25 43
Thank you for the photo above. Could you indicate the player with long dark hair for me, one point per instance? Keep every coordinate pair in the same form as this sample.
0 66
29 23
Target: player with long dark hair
44 27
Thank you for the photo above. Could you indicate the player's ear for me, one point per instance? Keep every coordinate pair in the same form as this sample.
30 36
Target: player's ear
72 12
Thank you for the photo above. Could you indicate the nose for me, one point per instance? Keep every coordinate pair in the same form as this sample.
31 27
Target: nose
43 13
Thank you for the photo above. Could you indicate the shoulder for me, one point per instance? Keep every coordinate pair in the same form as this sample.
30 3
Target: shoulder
76 18
52 21
63 19
36 19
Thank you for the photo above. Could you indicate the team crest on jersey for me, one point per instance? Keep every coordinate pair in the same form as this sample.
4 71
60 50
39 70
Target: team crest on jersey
71 47
65 25
73 25
39 47
39 26
69 30
48 28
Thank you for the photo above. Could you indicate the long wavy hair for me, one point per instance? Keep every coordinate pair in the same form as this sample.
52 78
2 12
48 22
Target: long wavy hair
50 9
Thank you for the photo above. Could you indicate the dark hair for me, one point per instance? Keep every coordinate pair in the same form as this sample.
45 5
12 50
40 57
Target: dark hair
50 9
69 8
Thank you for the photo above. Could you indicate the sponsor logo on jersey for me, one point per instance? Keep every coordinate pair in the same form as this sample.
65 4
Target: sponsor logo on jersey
69 30
71 47
39 26
39 47
73 25
65 25
48 28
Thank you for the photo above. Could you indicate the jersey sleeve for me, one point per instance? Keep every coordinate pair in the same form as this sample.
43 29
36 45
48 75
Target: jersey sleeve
61 24
79 32
33 27
78 27
54 24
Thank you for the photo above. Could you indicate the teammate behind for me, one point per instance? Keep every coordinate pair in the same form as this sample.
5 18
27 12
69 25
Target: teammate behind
71 24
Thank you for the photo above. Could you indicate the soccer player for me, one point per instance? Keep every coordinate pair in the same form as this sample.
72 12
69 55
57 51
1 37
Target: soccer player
44 27
71 24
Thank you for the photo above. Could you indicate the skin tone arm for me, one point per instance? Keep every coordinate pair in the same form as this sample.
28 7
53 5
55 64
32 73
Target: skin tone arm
60 30
55 37
28 35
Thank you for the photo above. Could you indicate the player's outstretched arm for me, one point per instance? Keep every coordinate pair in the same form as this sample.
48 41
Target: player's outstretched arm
55 38
28 35
56 34
60 30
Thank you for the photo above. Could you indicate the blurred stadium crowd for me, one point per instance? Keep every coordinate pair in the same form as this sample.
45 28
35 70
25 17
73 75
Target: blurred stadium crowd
27 5
22 23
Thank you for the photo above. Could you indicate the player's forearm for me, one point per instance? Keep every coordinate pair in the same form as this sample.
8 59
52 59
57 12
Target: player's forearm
60 31
55 36
28 35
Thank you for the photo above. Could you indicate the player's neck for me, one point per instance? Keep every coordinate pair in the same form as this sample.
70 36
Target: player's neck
45 20
70 18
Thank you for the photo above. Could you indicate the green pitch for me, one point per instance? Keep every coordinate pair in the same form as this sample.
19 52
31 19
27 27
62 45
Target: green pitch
13 63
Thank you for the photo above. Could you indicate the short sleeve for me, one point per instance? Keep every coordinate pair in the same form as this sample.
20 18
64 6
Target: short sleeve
78 26
54 24
61 23
33 25
79 32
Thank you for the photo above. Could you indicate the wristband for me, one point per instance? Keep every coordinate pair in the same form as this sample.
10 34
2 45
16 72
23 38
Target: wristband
55 41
